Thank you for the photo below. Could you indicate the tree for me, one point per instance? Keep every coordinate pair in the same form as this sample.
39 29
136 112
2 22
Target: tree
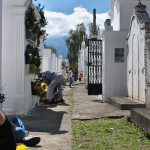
40 31
43 21
34 31
91 29
73 42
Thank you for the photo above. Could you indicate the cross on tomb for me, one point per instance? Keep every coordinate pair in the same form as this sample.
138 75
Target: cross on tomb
139 1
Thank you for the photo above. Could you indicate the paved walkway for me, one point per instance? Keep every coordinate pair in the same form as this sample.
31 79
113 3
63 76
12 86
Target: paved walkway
53 122
92 107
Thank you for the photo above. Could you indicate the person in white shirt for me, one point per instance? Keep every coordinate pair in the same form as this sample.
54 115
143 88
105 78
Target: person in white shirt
70 78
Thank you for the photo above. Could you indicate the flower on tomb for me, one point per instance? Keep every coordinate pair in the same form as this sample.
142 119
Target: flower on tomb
2 98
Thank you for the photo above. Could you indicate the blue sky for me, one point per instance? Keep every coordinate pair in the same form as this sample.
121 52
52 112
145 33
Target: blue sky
67 6
63 15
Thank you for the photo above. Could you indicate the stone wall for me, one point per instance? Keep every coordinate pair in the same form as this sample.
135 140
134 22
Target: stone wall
147 66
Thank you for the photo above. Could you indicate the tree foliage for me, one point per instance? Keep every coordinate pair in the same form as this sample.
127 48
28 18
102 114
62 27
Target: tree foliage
91 29
34 32
43 21
36 26
73 42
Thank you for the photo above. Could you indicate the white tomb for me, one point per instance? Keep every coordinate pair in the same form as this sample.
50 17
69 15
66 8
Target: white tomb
46 60
83 60
114 53
138 70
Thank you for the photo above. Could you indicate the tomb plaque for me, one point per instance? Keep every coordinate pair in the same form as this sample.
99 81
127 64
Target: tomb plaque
119 54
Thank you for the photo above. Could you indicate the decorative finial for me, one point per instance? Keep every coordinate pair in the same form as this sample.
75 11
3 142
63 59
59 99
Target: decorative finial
140 7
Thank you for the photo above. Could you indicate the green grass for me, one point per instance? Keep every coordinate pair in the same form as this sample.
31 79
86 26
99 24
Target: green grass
108 134
70 98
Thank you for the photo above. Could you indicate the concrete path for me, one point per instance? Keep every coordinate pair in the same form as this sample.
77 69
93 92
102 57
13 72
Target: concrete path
53 122
92 107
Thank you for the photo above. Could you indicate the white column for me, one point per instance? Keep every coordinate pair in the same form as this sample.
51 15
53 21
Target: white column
53 61
0 44
60 63
19 54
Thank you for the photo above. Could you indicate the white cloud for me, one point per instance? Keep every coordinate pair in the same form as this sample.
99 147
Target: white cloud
59 24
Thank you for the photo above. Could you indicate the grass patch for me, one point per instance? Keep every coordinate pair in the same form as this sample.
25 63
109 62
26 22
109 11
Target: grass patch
108 134
70 98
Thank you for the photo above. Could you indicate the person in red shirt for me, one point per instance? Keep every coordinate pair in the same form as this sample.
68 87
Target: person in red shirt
80 76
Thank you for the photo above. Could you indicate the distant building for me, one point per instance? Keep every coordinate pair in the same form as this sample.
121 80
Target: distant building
83 61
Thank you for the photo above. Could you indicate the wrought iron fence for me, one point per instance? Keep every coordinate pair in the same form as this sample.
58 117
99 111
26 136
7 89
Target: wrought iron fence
94 67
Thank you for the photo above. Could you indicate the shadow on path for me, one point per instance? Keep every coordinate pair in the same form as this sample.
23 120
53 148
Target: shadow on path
44 119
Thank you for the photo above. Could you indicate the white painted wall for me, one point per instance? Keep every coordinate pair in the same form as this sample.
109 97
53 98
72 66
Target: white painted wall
56 63
138 62
8 81
121 11
46 60
116 18
53 61
82 60
28 92
15 83
85 63
114 74
147 72
60 63
0 45
13 47
127 9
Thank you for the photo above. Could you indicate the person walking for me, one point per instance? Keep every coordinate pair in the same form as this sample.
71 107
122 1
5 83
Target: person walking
80 77
70 78
75 73
52 79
